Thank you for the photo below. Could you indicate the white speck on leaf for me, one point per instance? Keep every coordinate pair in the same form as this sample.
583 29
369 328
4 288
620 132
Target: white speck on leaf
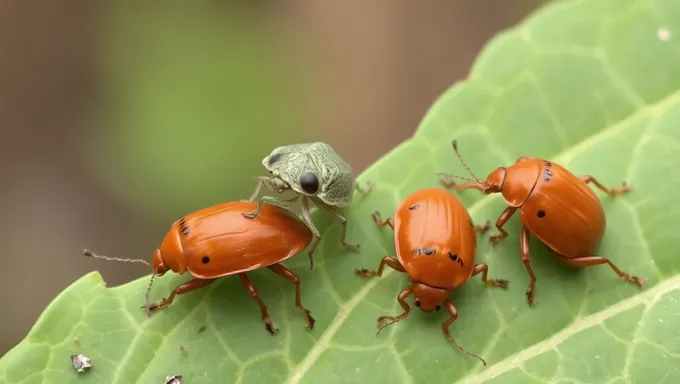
81 363
664 34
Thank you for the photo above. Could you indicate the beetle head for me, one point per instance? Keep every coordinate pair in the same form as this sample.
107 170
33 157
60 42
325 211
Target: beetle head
428 298
170 255
157 264
494 182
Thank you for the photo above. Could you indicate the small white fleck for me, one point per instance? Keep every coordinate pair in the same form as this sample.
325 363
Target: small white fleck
664 34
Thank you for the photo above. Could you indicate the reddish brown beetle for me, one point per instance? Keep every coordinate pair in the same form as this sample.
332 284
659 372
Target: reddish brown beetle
218 241
436 242
555 205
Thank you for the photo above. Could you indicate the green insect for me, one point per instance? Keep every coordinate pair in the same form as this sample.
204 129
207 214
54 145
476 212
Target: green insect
314 171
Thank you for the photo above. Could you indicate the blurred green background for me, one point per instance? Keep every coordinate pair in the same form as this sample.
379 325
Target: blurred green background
117 117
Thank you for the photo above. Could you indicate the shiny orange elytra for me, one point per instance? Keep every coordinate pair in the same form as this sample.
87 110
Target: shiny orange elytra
558 207
219 241
436 243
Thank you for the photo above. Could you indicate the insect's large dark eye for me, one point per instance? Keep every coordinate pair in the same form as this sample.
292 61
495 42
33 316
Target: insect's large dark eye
274 158
417 303
428 251
309 182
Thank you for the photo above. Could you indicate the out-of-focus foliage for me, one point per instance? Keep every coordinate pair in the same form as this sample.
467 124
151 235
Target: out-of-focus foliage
196 95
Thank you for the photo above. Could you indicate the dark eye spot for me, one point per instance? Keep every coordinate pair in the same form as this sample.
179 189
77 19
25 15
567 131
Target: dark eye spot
417 303
428 251
540 213
274 158
413 207
205 259
309 182
453 256
437 308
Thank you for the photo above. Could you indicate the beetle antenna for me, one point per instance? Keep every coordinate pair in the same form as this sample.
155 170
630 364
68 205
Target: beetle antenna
89 253
455 148
443 174
147 306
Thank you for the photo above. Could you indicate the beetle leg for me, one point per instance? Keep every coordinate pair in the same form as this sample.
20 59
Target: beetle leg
611 192
307 218
273 201
256 192
524 250
263 308
502 219
390 261
445 328
380 223
343 221
290 276
484 269
180 290
589 261
393 319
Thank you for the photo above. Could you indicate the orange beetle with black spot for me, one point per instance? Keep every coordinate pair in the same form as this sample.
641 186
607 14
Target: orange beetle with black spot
436 242
218 241
555 205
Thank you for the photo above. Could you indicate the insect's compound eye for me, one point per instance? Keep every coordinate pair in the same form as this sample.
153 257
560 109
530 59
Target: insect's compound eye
437 308
453 257
309 182
428 251
417 303
274 158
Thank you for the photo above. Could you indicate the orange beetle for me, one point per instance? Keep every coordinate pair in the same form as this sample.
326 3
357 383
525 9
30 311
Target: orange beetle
219 241
555 205
436 242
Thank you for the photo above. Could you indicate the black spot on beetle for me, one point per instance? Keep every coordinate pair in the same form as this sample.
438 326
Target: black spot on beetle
428 251
547 163
540 213
547 174
205 259
274 158
453 256
414 207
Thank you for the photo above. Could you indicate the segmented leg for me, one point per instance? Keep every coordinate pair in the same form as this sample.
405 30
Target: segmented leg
589 261
502 219
611 192
290 276
307 219
343 229
263 308
273 201
380 223
524 250
484 269
393 319
445 329
189 286
387 260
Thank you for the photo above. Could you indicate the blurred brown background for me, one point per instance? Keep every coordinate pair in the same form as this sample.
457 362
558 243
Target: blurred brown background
117 117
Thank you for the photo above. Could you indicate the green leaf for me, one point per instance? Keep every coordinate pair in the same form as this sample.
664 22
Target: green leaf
588 84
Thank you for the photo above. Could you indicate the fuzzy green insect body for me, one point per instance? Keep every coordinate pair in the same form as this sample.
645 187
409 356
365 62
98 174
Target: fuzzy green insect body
314 171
